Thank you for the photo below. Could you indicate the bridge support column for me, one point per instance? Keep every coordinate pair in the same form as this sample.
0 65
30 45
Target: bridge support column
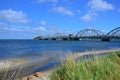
71 39
76 39
105 39
45 39
65 39
54 39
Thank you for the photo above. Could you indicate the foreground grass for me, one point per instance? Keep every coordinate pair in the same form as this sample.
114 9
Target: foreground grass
103 68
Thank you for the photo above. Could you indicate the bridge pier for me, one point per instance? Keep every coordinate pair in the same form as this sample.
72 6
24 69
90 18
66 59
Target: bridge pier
105 39
71 39
46 39
54 39
65 39
76 39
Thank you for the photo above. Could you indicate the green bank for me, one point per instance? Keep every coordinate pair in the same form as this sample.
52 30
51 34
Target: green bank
99 68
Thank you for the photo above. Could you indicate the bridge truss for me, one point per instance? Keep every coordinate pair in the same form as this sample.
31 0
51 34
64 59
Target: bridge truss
90 34
114 34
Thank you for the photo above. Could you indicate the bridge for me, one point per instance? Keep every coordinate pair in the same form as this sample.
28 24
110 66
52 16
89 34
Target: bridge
86 34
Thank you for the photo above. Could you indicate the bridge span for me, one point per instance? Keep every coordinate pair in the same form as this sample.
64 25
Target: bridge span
90 34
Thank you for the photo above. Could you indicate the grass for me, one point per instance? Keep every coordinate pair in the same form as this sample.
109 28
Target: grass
102 68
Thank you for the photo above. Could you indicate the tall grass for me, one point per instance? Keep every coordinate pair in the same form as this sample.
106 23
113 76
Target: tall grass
99 68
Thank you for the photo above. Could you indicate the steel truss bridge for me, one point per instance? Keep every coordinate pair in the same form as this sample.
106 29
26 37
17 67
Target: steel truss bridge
86 34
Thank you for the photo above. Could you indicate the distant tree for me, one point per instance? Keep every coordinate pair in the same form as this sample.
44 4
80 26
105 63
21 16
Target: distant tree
38 38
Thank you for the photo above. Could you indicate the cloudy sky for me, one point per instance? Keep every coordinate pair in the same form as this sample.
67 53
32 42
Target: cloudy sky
25 19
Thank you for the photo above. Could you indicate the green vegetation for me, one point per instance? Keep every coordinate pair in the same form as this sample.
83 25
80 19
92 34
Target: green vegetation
103 68
38 38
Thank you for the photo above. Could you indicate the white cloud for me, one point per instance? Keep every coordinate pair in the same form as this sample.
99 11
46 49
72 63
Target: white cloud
10 28
28 31
6 27
44 1
89 16
43 23
100 5
13 16
48 27
95 6
86 17
63 10
118 10
53 1
42 27
25 29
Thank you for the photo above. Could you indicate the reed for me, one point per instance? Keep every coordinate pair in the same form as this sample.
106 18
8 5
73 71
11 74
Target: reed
99 68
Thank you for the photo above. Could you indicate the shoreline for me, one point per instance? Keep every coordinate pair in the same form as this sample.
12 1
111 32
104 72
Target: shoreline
45 74
21 67
98 52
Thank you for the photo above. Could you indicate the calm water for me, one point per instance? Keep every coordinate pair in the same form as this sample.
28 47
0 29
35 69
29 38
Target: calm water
20 48
52 51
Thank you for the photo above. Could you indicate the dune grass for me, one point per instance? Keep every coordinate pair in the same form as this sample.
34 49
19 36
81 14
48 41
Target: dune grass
102 68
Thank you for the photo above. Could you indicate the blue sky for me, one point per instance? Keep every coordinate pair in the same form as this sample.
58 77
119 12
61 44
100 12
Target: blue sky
25 19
